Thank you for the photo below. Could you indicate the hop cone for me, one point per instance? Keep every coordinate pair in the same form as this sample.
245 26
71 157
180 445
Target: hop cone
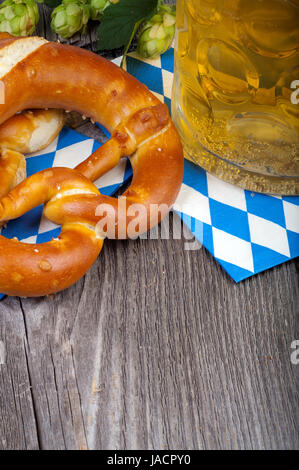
18 17
97 7
157 34
70 17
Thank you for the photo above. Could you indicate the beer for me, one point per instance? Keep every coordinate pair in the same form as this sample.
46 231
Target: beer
236 90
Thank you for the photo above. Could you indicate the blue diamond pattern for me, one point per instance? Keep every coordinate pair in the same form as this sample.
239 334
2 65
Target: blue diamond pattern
264 258
291 199
39 163
293 239
230 220
196 178
147 74
167 60
267 207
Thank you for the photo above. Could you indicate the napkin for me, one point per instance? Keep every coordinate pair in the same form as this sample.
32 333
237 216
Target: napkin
246 232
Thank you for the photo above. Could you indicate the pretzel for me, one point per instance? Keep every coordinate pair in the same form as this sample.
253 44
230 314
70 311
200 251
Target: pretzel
66 77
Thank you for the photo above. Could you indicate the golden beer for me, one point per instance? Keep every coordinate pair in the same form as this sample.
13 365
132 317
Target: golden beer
236 90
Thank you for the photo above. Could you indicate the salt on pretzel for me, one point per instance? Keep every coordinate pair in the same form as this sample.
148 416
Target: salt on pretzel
66 77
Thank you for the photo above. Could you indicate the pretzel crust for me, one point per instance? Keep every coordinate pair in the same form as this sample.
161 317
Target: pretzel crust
31 131
66 77
12 170
34 270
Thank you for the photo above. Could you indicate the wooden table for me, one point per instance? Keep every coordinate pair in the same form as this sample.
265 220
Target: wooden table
156 348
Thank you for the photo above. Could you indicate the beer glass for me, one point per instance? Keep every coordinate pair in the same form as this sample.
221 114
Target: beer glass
236 90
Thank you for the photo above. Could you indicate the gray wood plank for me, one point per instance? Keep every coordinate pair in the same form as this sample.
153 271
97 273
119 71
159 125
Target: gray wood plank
18 429
158 348
155 348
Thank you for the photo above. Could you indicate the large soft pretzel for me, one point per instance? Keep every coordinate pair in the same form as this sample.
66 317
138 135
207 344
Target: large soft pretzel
65 77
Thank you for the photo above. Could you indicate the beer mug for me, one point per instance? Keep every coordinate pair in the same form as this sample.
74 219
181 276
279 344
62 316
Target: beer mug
236 90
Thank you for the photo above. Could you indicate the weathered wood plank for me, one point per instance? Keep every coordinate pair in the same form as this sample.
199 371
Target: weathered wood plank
158 348
18 428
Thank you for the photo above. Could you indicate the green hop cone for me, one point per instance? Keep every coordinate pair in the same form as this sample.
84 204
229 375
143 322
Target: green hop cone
97 7
70 17
18 17
157 34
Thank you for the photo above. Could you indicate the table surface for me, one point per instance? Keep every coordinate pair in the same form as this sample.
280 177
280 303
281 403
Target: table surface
156 348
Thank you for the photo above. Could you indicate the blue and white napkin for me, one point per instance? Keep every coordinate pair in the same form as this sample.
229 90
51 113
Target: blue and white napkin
246 232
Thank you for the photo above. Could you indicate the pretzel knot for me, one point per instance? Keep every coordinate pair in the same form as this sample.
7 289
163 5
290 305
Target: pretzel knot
49 267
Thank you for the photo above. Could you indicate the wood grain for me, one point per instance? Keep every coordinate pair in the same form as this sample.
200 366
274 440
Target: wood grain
156 348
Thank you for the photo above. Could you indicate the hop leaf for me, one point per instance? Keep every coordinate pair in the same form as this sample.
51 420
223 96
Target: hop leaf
18 17
121 20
